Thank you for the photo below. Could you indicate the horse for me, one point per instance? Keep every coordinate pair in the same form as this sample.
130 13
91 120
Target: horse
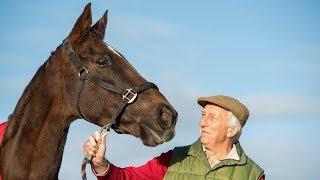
83 78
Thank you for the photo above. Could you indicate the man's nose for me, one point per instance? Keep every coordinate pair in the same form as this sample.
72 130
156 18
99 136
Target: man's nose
203 120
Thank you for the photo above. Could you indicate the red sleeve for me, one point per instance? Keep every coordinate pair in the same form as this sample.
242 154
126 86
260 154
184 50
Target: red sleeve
262 177
2 129
154 169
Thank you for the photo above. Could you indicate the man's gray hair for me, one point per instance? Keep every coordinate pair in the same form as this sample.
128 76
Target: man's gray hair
233 121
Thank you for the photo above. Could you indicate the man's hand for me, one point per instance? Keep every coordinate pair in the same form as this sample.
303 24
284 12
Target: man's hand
96 147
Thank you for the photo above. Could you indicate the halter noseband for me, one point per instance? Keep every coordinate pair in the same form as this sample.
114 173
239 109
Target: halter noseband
128 95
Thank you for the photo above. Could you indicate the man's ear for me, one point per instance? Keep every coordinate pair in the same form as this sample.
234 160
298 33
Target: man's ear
99 28
233 130
82 25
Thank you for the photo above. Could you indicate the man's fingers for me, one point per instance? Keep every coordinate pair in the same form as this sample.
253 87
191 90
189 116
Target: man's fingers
103 137
92 141
87 150
88 146
98 137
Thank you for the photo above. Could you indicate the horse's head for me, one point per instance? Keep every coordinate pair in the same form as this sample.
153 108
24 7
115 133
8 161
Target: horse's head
149 117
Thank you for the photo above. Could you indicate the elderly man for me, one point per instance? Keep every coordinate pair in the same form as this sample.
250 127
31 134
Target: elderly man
217 154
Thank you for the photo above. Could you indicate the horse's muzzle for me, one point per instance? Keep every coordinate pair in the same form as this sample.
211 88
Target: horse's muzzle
168 117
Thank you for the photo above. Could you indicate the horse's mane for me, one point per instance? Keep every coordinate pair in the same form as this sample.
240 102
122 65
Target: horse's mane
14 120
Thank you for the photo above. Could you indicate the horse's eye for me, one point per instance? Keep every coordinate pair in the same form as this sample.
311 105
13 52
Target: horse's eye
105 61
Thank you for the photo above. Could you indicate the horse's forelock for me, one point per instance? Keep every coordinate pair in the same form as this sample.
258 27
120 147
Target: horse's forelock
113 50
121 56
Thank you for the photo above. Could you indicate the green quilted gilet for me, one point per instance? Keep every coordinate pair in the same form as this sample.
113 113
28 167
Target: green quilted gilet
190 162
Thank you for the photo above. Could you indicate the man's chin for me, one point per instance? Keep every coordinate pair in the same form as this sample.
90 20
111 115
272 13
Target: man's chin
203 139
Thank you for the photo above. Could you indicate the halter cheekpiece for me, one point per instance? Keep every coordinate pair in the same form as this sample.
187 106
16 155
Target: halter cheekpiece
128 95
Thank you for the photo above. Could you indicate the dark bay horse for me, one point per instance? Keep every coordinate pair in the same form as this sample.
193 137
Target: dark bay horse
33 143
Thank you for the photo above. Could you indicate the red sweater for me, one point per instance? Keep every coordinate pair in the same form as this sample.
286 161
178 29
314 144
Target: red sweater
2 128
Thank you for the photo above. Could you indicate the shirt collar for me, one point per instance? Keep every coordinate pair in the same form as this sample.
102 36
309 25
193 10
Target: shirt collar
233 154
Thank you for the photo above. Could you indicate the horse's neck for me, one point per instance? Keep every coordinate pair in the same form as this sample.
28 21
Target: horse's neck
37 132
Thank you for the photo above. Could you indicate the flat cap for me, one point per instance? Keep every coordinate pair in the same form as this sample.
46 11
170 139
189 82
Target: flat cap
227 103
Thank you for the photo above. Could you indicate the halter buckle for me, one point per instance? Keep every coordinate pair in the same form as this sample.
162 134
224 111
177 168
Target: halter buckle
128 94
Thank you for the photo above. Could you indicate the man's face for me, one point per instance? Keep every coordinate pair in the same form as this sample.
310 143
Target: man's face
213 125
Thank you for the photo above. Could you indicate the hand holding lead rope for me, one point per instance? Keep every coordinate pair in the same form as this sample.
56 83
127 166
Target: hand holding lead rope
95 147
94 151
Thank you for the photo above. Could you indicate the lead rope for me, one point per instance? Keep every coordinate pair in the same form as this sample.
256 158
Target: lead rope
87 159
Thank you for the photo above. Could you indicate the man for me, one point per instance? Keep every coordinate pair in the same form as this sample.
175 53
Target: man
217 154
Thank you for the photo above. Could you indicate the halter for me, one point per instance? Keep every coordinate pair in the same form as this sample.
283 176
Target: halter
128 95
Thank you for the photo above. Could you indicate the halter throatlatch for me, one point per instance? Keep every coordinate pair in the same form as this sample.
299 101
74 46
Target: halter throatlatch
128 95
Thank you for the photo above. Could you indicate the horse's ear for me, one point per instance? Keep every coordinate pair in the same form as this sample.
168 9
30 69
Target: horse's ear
99 28
83 24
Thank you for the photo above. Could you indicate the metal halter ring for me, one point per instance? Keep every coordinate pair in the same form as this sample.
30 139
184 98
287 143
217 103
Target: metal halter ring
83 72
104 129
129 92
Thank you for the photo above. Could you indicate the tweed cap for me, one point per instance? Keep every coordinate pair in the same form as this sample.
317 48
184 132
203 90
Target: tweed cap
227 103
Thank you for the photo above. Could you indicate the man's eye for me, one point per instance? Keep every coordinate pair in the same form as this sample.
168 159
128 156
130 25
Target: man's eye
103 62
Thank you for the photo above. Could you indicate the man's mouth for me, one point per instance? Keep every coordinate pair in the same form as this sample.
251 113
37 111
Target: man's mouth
203 131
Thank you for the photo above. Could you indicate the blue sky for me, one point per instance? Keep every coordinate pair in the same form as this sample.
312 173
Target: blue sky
265 53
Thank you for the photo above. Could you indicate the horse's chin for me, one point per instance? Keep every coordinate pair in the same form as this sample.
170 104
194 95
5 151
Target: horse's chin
149 137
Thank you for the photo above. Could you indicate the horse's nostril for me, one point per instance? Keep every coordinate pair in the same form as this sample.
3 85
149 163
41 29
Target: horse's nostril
166 117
